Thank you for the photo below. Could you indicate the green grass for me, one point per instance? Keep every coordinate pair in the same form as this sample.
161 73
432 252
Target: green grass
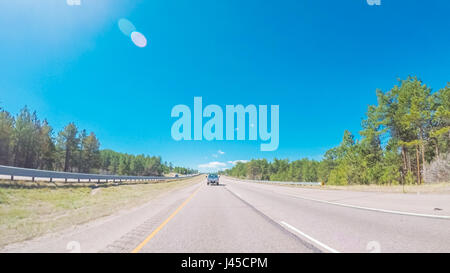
29 212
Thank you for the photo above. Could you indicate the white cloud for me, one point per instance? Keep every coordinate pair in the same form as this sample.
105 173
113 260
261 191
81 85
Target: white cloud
236 161
212 166
215 166
219 153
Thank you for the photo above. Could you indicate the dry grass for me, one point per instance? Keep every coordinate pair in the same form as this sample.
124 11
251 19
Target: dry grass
438 188
29 212
443 188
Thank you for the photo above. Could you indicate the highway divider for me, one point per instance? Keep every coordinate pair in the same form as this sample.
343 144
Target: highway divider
66 178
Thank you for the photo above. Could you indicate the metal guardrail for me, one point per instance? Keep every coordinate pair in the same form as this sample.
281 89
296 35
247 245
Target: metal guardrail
13 172
278 182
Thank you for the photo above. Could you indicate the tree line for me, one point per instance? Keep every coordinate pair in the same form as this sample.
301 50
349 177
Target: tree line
401 137
28 142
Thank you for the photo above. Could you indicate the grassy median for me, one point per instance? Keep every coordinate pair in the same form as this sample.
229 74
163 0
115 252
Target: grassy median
26 213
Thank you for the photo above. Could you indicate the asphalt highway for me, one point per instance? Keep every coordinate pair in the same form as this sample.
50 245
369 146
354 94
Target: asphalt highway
240 216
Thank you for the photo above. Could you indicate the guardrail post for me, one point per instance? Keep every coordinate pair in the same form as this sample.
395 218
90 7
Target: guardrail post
32 178
12 177
65 179
78 180
51 179
89 180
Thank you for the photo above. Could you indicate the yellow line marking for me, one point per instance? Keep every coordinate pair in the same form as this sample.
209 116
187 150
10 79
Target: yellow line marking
141 245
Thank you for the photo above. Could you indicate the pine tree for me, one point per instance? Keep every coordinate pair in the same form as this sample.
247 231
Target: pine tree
6 137
68 144
23 138
90 153
47 154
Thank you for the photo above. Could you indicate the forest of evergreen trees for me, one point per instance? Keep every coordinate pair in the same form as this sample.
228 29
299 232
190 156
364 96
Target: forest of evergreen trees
26 141
405 138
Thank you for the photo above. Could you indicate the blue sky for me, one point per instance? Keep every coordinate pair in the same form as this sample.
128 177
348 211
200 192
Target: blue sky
321 61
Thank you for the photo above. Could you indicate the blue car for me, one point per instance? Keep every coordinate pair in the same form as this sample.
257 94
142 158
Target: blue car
212 179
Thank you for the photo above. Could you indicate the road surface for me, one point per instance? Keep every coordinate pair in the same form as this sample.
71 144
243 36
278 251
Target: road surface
251 217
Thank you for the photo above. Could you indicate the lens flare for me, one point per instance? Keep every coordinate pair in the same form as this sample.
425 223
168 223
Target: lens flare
126 27
138 39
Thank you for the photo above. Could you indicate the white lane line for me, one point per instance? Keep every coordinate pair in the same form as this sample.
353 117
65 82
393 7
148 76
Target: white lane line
332 250
374 209
237 194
